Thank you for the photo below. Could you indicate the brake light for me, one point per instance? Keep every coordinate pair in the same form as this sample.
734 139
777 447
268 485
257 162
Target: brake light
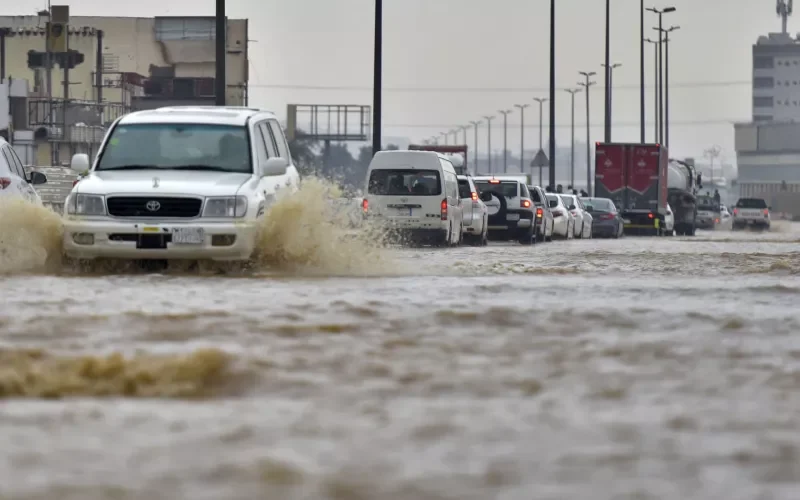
525 203
735 211
649 216
444 209
75 182
365 205
474 196
494 181
766 211
539 213
607 216
4 182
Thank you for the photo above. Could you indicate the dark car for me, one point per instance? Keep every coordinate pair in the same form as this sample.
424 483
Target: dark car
607 223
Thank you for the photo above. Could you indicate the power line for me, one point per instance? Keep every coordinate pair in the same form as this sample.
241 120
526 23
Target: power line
622 87
686 123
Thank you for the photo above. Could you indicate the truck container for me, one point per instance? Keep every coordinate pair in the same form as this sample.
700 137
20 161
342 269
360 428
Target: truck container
635 177
445 149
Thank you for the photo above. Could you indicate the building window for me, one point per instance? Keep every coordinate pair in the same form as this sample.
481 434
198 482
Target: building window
169 29
762 118
763 62
764 82
763 102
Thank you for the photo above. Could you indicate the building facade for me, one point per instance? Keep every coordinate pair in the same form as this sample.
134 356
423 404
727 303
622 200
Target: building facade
776 78
124 64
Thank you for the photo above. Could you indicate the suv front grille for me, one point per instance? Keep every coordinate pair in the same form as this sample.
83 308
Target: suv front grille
153 206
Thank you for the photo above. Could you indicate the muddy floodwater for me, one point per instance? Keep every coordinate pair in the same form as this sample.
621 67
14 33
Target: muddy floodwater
639 368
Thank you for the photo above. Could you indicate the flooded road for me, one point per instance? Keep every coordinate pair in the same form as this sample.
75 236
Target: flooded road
607 369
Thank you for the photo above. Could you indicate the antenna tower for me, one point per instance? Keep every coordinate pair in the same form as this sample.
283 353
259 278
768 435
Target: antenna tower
784 10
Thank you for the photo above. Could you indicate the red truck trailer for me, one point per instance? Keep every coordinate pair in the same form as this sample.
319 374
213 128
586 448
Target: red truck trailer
445 149
634 176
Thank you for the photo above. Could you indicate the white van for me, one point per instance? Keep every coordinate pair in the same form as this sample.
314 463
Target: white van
415 193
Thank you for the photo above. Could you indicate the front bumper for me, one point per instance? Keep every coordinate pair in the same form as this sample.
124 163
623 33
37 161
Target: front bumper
105 238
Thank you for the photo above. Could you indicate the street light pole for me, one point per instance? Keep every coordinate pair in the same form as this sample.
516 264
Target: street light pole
660 29
221 53
541 101
586 84
608 72
552 169
656 116
377 79
666 83
641 73
610 94
475 124
489 138
521 108
505 114
446 137
572 93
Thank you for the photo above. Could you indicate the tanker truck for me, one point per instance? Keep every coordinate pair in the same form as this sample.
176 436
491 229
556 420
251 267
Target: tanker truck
682 185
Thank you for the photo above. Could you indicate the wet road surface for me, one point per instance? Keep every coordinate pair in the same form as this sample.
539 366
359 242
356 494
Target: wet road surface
636 368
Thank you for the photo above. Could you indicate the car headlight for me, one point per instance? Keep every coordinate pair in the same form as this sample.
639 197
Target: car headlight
228 206
86 204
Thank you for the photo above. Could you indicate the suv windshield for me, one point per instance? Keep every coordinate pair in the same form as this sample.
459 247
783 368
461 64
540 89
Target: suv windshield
177 145
509 189
751 203
405 182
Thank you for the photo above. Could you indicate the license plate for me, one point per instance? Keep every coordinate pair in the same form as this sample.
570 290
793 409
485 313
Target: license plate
188 236
626 221
405 211
512 217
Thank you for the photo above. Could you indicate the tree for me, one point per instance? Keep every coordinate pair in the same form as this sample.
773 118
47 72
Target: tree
304 152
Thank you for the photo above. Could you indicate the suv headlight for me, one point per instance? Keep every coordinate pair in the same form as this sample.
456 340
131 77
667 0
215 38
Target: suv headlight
227 206
86 204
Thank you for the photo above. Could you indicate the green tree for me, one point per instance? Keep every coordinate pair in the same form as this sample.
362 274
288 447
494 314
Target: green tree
304 151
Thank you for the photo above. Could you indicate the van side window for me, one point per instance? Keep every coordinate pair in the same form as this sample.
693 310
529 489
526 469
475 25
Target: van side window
280 140
269 142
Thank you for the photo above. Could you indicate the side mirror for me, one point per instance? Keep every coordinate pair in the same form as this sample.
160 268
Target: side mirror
275 166
37 178
79 163
486 196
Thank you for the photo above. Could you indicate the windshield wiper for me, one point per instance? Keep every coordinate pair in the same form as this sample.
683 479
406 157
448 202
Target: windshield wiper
208 168
129 167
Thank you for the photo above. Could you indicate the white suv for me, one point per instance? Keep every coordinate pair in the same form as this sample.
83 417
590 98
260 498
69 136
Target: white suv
178 183
511 210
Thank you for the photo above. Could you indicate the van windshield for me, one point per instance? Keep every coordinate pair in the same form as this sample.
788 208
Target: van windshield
405 182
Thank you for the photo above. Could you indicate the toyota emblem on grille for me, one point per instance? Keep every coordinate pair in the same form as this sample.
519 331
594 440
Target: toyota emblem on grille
153 206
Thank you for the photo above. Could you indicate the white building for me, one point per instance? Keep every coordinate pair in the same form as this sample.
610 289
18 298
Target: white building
776 78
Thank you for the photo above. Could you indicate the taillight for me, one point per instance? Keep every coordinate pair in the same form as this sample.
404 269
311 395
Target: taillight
716 221
649 216
607 216
444 209
4 182
474 196
525 203
735 211
75 182
766 211
365 205
539 213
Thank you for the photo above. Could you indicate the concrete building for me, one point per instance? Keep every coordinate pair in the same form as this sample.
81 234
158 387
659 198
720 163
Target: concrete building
776 78
127 64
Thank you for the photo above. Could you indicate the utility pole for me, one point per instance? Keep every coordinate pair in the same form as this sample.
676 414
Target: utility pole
572 93
521 108
505 114
552 169
660 29
656 116
377 77
666 83
541 101
609 97
489 137
476 124
608 72
586 84
222 52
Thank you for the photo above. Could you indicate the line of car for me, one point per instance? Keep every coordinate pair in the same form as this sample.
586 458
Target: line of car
425 197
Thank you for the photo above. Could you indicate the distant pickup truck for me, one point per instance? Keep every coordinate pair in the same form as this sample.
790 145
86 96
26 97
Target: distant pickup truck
751 212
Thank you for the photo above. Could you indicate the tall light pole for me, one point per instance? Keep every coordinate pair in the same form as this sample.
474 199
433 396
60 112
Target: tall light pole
505 113
641 72
541 101
608 73
221 53
666 82
455 132
446 137
552 169
655 88
489 138
609 96
521 108
660 28
377 73
476 124
463 130
572 93
587 75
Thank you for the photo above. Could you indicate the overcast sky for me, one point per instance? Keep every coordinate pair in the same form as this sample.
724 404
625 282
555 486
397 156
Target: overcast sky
491 49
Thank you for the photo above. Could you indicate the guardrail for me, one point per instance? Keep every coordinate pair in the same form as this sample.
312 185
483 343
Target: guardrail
59 184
